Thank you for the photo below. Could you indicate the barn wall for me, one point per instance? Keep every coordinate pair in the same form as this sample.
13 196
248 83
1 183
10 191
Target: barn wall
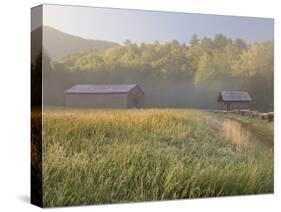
96 100
237 105
135 98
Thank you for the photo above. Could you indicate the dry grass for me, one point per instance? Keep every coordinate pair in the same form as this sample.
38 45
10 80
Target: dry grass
94 157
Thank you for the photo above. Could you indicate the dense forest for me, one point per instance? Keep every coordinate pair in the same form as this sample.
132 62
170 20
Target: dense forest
172 74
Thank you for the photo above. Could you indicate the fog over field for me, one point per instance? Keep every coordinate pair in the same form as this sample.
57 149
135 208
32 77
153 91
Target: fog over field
172 74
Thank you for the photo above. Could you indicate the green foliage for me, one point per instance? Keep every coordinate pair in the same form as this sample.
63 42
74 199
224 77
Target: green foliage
205 59
216 64
256 66
94 157
257 59
194 40
167 61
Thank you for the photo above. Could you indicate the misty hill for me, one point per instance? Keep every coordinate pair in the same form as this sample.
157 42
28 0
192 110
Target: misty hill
59 44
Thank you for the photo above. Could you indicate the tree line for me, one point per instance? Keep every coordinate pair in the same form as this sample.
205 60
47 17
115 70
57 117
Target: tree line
174 74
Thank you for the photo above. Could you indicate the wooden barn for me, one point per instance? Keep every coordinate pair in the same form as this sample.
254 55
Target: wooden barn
235 100
105 96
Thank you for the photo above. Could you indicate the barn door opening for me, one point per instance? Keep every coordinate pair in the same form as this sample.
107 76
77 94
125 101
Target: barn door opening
228 106
136 102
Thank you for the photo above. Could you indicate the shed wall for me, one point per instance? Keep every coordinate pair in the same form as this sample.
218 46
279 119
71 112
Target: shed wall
135 98
237 105
96 100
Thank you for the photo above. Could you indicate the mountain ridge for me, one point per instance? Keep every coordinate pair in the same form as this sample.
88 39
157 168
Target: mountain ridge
59 44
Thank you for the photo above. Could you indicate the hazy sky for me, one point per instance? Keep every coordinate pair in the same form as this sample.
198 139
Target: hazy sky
147 26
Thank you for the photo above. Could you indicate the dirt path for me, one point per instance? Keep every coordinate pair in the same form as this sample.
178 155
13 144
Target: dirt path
232 131
237 132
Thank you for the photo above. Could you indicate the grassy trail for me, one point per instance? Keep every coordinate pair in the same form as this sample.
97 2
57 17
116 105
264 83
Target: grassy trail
94 157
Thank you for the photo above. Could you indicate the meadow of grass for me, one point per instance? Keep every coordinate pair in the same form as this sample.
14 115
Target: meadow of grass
112 156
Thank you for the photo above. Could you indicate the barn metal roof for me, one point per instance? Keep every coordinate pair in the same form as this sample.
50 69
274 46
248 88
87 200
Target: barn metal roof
101 89
241 96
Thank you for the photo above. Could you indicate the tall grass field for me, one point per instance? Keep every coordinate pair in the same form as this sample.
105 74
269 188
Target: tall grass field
115 156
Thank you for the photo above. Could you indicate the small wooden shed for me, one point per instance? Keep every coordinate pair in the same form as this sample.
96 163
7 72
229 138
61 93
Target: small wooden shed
235 100
105 96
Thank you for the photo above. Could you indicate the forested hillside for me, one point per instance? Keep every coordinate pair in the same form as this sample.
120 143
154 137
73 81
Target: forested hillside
172 74
59 44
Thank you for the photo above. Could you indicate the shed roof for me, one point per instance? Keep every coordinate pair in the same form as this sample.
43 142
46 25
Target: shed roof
101 88
239 96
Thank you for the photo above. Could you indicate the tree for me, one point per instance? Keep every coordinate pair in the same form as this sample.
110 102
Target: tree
220 41
207 44
194 40
205 69
255 67
256 59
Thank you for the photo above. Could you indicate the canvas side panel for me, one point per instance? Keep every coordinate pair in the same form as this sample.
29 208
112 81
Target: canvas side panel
36 106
